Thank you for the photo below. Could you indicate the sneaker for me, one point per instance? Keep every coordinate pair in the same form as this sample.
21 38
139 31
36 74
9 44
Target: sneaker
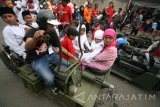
55 90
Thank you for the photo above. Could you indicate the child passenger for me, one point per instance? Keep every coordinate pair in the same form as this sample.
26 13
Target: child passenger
83 41
13 32
97 46
105 59
29 21
97 42
67 42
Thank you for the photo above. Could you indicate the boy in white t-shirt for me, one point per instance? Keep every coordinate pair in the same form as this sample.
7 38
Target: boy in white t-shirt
13 32
29 21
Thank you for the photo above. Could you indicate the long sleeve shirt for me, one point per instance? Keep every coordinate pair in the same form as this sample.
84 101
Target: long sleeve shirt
104 60
13 37
83 40
97 48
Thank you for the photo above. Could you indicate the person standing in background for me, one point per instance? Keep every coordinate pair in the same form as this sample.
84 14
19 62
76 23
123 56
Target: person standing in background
87 15
110 11
64 13
71 5
80 14
95 12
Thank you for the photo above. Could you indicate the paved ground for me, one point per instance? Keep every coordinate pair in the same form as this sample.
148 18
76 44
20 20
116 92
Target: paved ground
13 93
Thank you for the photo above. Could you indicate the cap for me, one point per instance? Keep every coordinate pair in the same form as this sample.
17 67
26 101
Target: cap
6 10
98 34
53 22
72 31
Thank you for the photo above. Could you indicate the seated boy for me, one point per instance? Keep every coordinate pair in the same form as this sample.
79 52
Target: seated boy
13 32
29 22
67 40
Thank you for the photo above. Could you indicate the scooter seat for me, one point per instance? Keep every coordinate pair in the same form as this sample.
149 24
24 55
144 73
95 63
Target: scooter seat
6 48
96 71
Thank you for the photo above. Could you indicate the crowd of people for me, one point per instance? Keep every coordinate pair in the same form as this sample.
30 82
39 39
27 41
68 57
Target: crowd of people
34 36
33 33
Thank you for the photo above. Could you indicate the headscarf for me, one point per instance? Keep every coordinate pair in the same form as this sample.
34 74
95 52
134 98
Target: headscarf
98 34
84 27
112 33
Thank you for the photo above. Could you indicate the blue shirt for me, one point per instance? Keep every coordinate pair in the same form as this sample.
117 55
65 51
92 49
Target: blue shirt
121 41
154 25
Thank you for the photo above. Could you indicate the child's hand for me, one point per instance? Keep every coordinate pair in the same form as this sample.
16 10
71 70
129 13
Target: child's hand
75 58
91 50
145 51
83 61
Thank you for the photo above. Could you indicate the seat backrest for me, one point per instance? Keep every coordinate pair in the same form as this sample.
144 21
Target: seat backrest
96 71
6 48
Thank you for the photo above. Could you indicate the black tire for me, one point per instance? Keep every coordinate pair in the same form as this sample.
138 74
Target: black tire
5 59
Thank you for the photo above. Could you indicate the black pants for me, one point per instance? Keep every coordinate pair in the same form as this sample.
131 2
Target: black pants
134 31
87 27
60 27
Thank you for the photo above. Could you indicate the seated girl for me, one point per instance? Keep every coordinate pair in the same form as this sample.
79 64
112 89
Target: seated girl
97 46
83 41
105 59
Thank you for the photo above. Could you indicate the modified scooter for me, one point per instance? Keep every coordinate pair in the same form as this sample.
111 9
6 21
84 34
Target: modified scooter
132 65
77 88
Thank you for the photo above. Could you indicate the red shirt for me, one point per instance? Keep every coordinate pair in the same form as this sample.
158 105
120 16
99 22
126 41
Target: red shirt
110 12
68 45
63 13
1 1
95 12
156 53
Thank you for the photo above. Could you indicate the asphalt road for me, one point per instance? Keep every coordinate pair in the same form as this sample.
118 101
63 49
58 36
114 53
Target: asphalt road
14 94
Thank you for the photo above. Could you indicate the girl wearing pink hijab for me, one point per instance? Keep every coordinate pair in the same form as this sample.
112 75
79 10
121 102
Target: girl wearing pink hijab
105 59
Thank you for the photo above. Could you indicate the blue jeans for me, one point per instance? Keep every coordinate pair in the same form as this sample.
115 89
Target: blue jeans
41 66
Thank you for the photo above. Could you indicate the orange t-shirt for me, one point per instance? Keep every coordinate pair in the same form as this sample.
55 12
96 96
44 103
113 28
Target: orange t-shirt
87 14
9 4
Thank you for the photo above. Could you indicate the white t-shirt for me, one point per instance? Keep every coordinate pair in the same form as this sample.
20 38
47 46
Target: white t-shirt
34 25
13 37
